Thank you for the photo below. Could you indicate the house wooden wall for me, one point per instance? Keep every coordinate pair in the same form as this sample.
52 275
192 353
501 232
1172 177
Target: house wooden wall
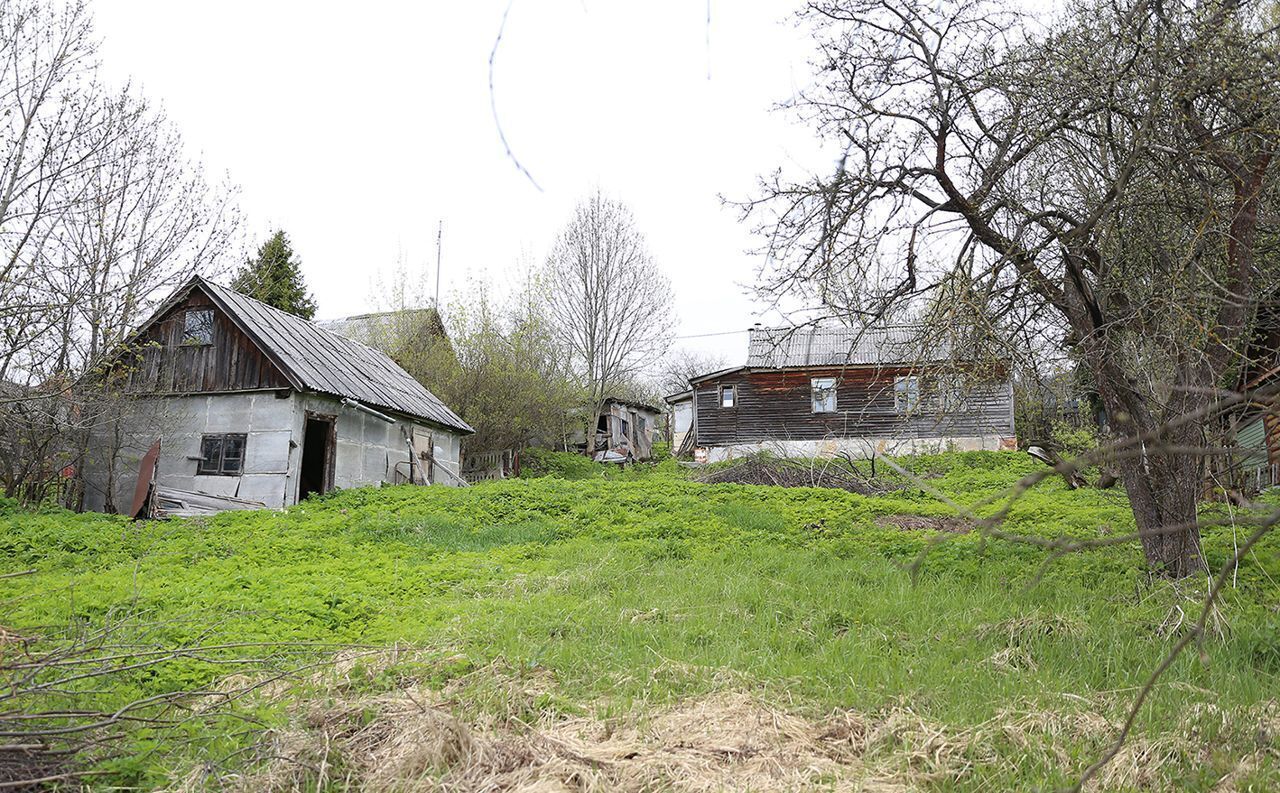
777 405
161 364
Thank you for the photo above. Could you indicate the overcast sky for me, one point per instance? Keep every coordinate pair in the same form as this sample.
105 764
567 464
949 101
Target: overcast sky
357 127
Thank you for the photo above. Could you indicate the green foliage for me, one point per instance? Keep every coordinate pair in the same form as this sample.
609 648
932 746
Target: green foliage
640 585
1071 441
535 463
499 367
274 276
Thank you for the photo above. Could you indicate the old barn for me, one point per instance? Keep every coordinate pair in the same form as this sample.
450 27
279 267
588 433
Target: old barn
816 391
247 402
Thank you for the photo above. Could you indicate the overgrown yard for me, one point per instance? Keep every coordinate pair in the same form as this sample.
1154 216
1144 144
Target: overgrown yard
644 631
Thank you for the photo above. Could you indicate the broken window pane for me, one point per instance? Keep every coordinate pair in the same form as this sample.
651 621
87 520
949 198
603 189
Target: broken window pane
824 394
232 454
222 455
211 454
197 327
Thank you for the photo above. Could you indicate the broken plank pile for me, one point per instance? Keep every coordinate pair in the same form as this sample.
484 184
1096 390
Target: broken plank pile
782 472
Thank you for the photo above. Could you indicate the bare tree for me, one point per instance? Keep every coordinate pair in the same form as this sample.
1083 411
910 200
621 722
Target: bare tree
677 367
100 215
608 303
1105 177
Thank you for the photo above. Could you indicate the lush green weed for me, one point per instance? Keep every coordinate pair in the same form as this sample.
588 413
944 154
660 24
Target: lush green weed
640 586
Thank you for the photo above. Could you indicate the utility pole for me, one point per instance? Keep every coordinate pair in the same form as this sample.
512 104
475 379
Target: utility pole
439 243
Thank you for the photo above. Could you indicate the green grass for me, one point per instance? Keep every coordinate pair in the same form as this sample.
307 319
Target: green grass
611 582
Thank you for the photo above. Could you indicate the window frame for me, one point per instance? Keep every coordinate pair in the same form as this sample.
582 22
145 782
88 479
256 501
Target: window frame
911 393
953 396
208 466
830 390
732 388
188 338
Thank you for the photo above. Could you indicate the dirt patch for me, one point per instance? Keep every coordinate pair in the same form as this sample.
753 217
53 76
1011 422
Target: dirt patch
954 525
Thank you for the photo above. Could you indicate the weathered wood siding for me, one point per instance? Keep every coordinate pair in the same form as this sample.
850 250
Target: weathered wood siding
161 364
777 405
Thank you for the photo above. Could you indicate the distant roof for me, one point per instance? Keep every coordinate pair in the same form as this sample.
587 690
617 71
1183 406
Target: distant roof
632 403
315 359
373 328
780 348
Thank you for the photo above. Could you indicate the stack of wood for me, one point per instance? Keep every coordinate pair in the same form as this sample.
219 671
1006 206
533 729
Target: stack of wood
782 472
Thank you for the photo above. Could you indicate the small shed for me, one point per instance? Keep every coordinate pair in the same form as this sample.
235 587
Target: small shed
624 430
249 402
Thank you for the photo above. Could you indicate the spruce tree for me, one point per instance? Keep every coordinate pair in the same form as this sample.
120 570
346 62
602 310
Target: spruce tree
274 276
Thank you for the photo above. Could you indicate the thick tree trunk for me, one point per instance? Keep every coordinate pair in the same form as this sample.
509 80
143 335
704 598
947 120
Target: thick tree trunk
1161 461
1162 488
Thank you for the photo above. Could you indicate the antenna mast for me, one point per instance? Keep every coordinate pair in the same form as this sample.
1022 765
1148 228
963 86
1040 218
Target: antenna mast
439 243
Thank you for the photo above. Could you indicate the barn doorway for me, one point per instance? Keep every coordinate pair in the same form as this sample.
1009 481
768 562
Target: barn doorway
316 475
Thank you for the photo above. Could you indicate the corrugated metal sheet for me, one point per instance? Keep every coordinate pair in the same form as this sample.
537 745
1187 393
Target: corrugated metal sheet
327 363
383 329
779 348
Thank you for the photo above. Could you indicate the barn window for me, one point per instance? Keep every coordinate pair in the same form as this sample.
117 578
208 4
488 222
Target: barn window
197 327
824 394
222 455
728 396
906 394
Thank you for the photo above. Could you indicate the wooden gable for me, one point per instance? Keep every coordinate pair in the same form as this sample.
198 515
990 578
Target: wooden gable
158 361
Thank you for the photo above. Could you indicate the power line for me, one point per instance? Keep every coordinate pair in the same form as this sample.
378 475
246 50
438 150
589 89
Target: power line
706 335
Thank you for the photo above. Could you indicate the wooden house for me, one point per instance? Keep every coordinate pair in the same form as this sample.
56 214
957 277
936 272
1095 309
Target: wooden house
1254 426
251 403
818 391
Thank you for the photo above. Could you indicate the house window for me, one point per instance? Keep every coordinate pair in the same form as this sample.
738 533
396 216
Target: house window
906 394
197 327
824 394
728 396
952 396
626 428
640 424
222 455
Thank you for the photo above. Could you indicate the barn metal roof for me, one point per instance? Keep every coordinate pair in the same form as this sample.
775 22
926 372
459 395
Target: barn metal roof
780 348
325 362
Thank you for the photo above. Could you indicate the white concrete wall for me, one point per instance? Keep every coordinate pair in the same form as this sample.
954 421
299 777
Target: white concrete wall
367 447
862 447
179 423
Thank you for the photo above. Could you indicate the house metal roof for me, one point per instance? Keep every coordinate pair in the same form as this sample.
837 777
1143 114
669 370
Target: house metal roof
383 328
318 360
780 348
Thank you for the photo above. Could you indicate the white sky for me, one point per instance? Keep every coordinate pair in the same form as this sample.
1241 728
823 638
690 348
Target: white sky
357 126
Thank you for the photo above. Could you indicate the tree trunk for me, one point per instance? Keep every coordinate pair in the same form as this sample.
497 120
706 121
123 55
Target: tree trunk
1162 488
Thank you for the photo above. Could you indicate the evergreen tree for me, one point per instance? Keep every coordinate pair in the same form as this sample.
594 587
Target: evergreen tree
274 276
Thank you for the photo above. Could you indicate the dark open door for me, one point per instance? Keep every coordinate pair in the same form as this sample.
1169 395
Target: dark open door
318 441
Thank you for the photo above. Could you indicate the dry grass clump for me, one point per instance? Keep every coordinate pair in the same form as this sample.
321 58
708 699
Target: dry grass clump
1020 631
952 524
491 730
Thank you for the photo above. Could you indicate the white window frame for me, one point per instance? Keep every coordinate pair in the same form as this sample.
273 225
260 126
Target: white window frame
906 394
826 391
732 390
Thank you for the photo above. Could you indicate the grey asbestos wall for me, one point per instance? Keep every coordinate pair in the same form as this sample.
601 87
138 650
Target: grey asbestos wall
367 451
